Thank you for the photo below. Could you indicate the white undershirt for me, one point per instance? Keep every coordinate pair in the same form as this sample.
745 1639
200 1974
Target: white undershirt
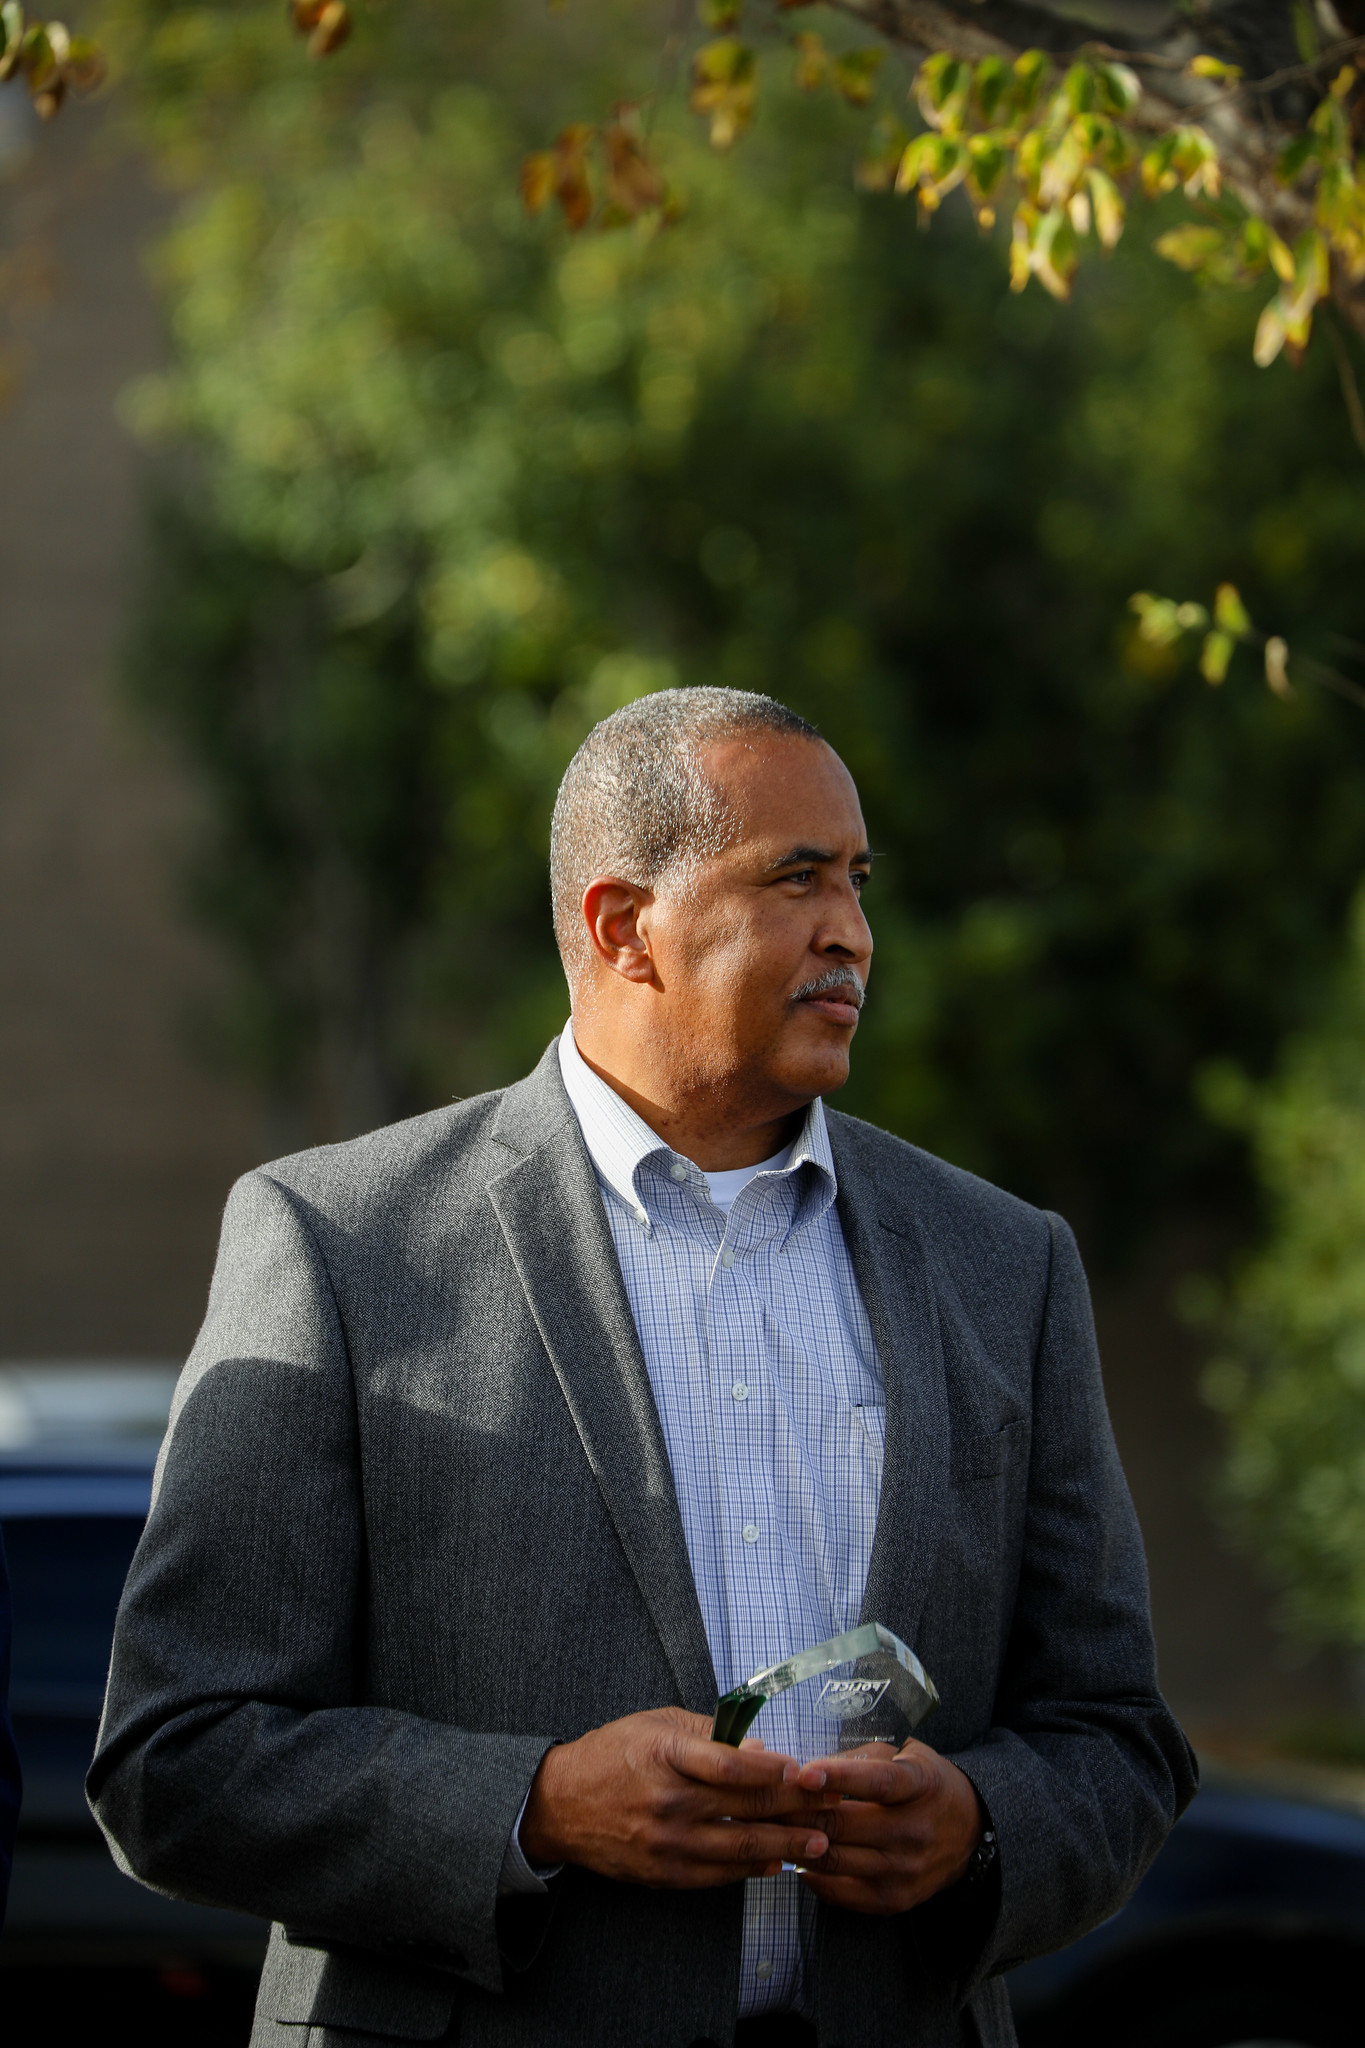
725 1186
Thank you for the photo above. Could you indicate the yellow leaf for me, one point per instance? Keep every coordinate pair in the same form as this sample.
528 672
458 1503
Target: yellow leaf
332 29
1215 68
1158 620
724 86
1107 201
1281 259
1190 247
1277 665
1270 336
1020 266
1061 169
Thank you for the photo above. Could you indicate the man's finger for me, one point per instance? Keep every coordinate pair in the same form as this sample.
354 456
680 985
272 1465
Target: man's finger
871 1865
715 1763
876 1824
888 1782
743 1850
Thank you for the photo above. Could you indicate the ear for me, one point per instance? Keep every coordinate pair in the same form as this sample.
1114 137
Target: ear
616 914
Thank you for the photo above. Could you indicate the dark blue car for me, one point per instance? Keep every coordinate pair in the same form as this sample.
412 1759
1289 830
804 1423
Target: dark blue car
1248 1932
82 1942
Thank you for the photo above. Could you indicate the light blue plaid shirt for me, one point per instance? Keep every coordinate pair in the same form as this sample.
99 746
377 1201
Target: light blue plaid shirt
771 1400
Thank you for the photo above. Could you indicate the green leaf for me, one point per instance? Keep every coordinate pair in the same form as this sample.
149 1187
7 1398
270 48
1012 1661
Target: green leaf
1119 87
1079 86
990 160
1216 655
1032 68
990 84
1306 34
1294 156
942 76
1229 613
718 14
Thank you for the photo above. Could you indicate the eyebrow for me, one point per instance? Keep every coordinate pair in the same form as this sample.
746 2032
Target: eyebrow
817 856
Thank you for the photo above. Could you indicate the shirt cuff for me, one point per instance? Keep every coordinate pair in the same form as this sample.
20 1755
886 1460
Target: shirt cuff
517 1874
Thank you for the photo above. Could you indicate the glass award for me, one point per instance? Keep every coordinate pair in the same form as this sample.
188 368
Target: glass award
865 1686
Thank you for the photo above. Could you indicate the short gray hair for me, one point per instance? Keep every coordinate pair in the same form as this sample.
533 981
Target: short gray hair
634 800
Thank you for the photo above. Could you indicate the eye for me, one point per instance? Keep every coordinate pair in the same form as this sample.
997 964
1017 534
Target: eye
858 876
801 875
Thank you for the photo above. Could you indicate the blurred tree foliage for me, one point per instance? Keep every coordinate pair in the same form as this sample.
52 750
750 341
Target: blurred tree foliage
1292 1379
452 489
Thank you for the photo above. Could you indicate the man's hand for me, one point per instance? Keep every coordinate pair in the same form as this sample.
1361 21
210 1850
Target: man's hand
652 1800
901 1825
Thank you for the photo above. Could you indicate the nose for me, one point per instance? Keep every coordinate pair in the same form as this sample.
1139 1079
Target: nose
846 935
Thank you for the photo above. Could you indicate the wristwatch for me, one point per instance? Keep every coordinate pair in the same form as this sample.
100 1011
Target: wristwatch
981 1858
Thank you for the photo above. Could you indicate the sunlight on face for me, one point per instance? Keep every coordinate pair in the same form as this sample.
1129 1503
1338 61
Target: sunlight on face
762 951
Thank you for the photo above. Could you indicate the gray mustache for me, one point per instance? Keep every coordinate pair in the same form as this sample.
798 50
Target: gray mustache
826 984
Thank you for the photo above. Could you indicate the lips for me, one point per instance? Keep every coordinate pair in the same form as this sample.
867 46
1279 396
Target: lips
837 1006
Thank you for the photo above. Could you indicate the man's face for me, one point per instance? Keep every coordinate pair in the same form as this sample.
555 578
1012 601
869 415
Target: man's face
762 952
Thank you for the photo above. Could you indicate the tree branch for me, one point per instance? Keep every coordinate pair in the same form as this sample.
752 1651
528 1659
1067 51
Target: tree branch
1250 122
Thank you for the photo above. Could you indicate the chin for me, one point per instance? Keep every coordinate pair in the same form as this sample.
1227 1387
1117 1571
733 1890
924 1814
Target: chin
817 1073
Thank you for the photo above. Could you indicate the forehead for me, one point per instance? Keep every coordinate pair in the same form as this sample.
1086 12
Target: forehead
788 790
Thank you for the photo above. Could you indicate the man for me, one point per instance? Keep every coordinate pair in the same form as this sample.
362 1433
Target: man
516 1433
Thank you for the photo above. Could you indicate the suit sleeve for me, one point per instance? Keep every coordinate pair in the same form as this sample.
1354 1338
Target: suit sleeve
1084 1771
234 1765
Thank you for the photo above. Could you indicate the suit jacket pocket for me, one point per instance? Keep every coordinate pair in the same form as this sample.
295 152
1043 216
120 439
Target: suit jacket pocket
303 1985
984 1454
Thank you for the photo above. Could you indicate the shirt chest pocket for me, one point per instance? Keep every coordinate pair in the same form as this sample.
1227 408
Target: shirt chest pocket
985 1454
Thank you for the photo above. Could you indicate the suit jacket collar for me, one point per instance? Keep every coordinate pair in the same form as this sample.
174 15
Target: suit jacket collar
550 1209
890 1260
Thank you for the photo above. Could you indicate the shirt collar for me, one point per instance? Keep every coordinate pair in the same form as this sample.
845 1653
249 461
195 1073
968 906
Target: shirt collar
619 1141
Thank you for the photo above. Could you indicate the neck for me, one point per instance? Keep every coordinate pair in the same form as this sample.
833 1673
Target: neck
717 1128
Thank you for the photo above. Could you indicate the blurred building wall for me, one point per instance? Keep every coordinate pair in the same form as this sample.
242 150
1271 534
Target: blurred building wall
116 1148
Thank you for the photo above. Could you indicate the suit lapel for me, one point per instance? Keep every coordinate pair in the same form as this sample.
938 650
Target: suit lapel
550 1209
891 1266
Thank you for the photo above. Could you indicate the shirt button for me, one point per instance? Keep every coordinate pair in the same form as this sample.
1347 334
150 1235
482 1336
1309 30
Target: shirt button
765 1969
750 1532
678 1170
727 1257
740 1391
641 1216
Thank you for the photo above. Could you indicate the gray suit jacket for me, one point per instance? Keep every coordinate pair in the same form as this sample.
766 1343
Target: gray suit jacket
414 1519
